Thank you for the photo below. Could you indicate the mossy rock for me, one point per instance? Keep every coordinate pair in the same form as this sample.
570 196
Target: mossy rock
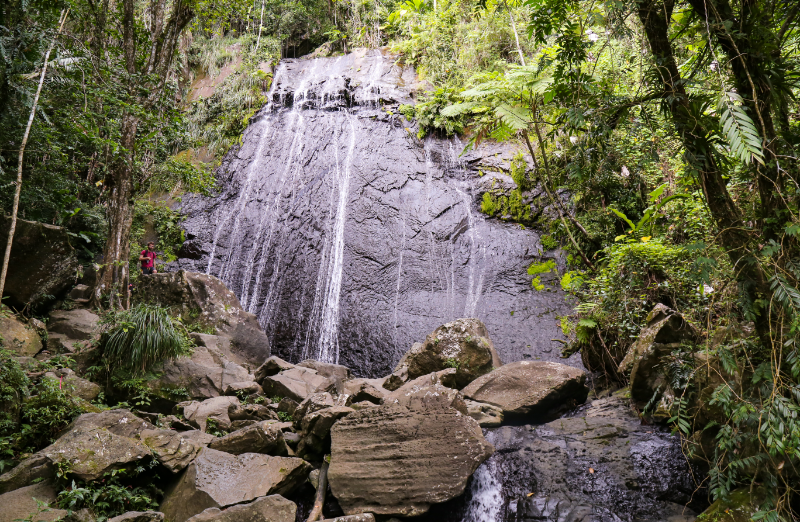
739 507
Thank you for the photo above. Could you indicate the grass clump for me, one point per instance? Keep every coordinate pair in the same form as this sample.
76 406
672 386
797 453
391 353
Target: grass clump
143 336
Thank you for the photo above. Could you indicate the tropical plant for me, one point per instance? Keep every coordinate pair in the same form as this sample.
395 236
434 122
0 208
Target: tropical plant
141 337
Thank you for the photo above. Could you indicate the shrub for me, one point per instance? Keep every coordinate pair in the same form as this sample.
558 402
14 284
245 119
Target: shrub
46 413
116 494
141 337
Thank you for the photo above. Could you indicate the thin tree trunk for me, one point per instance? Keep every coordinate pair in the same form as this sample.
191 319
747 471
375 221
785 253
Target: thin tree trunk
322 487
18 189
516 35
260 26
553 200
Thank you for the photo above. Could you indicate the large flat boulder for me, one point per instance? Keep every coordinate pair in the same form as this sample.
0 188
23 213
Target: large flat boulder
203 375
216 480
216 409
96 443
296 383
207 298
530 387
18 337
79 324
21 504
273 508
139 516
74 385
389 460
462 344
42 264
429 392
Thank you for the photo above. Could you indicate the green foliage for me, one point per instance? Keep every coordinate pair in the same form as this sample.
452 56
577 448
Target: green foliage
452 363
285 416
48 410
219 120
137 339
165 223
118 492
429 116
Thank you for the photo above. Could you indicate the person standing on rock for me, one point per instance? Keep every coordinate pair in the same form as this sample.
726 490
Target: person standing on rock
148 259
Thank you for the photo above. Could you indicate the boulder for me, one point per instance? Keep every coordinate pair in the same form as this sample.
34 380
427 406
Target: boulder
398 378
295 383
199 413
335 372
96 443
664 326
315 431
530 387
42 264
139 516
602 464
21 504
17 337
261 437
35 467
216 479
272 366
486 415
273 508
207 297
244 389
666 330
371 390
173 450
203 375
77 386
462 344
253 412
316 402
428 393
81 293
78 324
389 460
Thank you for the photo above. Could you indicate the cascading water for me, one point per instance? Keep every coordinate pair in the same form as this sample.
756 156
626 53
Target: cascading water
350 239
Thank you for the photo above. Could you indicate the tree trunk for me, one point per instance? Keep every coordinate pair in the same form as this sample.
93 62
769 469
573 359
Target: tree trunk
733 236
322 487
114 276
753 75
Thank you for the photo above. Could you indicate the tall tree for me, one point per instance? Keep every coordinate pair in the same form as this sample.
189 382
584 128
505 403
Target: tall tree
148 50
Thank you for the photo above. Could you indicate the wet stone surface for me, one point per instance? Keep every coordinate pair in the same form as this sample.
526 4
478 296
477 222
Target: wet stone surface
350 239
598 465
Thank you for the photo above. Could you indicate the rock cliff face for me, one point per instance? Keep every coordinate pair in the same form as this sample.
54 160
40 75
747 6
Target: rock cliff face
347 236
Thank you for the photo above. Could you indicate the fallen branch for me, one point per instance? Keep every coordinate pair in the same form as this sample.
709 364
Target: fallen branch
322 487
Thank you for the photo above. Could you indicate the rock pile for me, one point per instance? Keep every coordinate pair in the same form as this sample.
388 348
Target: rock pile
250 435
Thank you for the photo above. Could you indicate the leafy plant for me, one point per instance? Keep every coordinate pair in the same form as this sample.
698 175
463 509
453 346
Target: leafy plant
116 493
141 337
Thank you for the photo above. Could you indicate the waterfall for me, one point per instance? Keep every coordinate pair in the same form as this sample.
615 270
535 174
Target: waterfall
486 491
348 237
328 350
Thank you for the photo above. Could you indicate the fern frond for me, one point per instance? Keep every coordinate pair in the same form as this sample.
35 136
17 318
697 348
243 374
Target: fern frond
739 129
